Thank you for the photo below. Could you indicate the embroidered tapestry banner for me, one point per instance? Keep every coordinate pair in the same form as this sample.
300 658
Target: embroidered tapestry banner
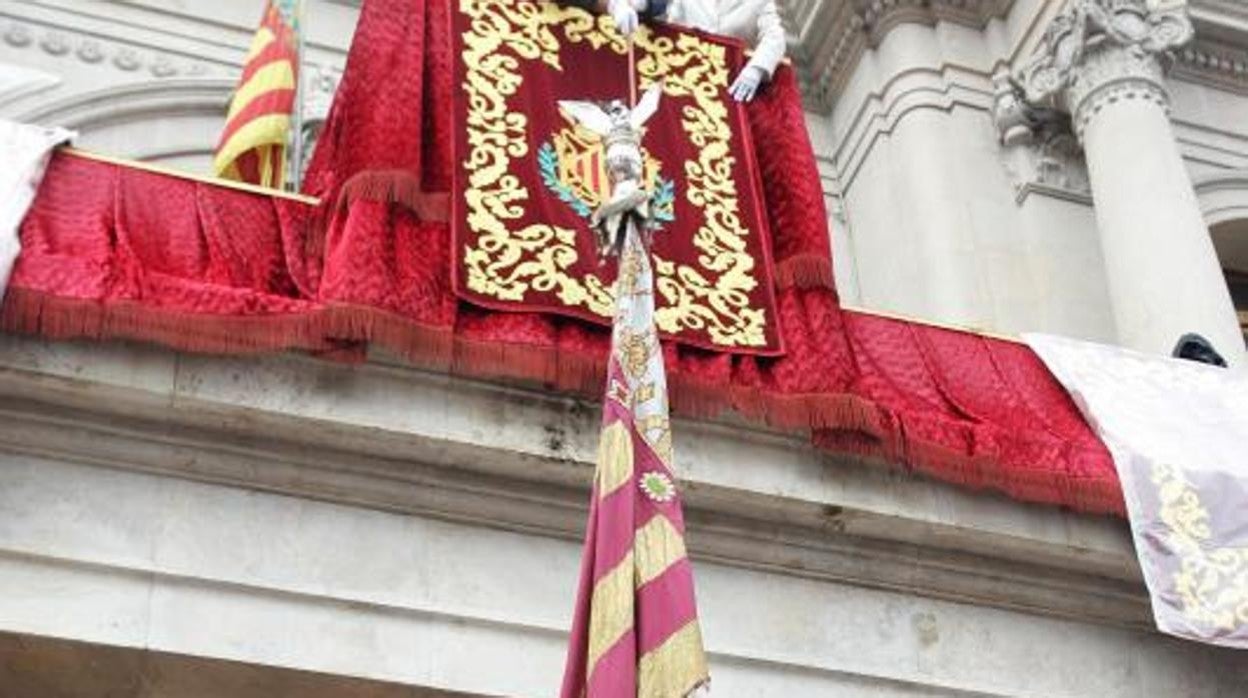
1177 431
528 178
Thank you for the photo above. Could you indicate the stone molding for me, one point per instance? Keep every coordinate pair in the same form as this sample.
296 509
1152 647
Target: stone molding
1218 57
90 49
832 36
18 82
100 69
152 59
1052 164
913 90
139 100
1223 195
756 517
1041 154
1213 63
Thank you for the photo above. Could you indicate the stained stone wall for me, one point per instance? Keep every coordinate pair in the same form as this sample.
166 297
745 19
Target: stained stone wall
931 215
397 528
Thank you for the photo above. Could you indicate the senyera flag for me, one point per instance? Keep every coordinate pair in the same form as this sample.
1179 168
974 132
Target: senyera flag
253 145
635 631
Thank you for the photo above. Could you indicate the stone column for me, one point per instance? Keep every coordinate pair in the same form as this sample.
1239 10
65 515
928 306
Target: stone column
1100 61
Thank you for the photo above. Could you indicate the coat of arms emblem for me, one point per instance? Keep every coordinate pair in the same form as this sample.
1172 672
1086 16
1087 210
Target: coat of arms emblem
573 166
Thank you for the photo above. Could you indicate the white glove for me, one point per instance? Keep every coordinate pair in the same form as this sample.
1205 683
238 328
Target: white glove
747 83
624 13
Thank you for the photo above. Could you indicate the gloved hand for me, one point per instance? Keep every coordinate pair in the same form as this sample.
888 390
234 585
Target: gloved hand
747 83
624 12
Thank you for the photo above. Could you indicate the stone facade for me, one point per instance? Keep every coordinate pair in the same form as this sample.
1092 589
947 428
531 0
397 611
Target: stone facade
179 526
997 228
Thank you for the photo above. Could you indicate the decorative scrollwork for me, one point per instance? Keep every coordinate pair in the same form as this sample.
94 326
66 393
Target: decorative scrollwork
1212 582
506 260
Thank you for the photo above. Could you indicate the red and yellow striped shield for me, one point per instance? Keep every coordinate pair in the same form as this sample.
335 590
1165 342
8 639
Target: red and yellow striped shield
583 165
253 145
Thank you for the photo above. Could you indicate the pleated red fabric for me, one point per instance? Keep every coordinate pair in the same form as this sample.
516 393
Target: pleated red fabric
109 251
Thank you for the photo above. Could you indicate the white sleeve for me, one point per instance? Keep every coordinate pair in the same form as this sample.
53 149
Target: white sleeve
770 45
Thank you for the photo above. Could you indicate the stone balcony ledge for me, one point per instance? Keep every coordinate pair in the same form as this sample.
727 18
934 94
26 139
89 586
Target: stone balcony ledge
386 437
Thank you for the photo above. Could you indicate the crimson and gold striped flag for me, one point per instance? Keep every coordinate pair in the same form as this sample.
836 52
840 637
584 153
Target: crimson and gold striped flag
253 145
635 633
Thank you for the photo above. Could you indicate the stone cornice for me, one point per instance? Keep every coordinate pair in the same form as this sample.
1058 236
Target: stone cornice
1221 17
755 500
1223 195
1214 63
832 35
1218 57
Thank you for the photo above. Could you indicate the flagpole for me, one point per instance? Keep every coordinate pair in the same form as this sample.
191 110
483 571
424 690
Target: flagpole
632 72
296 154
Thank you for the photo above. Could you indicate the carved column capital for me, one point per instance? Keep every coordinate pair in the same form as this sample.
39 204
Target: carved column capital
1101 61
1110 75
1097 52
1144 29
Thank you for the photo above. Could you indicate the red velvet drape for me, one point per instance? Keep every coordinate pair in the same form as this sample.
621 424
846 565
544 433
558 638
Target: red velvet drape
110 252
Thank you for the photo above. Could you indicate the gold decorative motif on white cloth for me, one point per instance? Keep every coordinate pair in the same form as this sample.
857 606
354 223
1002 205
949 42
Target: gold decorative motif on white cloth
1178 433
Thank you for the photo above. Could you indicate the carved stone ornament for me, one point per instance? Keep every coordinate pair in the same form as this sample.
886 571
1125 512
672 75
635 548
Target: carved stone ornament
1041 154
69 42
1095 52
1145 28
320 85
1052 165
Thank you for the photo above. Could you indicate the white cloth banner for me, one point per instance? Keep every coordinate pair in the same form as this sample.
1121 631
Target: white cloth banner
24 153
1178 433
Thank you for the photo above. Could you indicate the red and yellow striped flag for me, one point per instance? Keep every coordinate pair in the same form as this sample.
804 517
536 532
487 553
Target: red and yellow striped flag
253 145
635 633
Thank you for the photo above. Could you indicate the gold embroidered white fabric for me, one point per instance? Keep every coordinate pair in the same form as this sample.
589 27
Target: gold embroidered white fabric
1178 433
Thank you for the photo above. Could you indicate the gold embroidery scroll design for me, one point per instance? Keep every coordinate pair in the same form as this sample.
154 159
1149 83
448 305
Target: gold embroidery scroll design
507 261
1211 582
